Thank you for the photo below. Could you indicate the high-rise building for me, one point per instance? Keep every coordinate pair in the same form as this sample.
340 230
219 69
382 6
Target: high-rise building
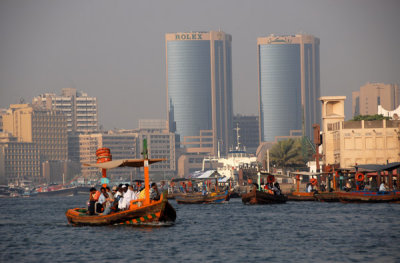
366 100
46 128
80 109
289 85
199 88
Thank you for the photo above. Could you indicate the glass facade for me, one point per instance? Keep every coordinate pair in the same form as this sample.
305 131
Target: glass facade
280 90
189 87
199 84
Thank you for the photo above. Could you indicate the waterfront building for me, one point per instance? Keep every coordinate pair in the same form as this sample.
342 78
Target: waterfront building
160 143
46 128
19 161
248 126
80 109
289 85
347 143
371 95
199 88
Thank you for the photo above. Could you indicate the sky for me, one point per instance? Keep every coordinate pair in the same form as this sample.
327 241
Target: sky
115 50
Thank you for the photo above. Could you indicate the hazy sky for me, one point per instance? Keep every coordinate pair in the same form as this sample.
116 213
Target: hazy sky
115 50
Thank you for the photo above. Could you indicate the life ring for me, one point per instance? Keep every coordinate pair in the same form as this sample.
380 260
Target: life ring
313 181
270 179
104 156
360 177
102 150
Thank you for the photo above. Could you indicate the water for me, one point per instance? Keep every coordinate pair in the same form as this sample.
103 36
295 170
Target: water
36 230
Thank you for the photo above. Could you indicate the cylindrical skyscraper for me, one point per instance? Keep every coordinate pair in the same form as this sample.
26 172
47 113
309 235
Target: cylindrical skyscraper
289 85
199 85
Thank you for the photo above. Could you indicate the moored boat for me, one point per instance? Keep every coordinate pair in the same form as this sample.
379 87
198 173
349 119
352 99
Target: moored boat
327 196
69 191
260 197
301 196
369 196
211 198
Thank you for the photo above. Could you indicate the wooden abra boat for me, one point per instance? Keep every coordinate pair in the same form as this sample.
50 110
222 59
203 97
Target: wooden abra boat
260 197
142 211
327 196
58 192
301 196
369 196
155 211
216 197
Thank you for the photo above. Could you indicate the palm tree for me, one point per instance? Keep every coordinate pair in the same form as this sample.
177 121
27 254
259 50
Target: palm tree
287 153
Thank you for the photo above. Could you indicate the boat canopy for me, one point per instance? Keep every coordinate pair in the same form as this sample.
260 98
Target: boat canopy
378 167
305 173
122 163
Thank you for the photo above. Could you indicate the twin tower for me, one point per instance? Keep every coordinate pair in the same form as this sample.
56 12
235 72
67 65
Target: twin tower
199 87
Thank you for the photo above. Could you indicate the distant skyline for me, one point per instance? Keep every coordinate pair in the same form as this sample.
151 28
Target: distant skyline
115 50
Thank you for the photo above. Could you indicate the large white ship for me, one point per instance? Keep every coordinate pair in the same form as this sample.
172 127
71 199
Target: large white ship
228 167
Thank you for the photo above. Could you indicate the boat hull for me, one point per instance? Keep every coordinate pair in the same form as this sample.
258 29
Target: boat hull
369 197
62 192
259 198
157 211
202 199
300 196
327 197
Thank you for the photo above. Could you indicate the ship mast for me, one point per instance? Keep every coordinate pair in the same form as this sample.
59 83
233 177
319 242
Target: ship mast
237 129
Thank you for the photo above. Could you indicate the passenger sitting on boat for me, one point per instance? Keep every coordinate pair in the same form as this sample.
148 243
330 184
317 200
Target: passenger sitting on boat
323 186
114 190
109 201
123 190
92 200
347 187
127 198
204 191
154 194
276 189
382 187
102 199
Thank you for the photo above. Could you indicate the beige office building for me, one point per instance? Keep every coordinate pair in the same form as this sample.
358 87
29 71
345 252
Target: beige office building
366 100
78 107
347 143
46 128
19 161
